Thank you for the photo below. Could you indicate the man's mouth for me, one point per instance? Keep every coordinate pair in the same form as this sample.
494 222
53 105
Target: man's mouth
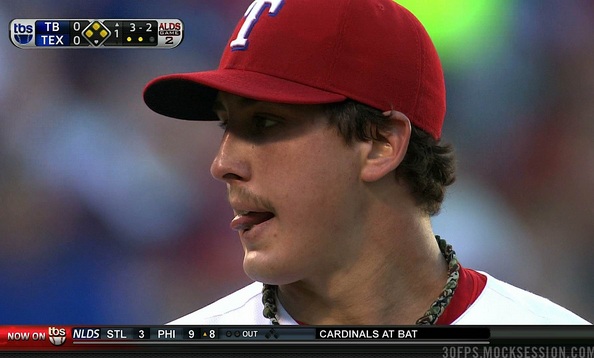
245 220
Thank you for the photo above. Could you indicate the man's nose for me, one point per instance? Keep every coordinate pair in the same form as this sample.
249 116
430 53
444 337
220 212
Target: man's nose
231 162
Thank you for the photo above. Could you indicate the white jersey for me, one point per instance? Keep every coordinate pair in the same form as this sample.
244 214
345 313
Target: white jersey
498 304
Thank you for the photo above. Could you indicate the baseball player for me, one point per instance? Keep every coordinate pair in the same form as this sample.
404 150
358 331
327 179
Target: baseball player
332 114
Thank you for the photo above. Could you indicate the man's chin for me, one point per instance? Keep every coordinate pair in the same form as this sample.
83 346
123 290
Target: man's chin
260 271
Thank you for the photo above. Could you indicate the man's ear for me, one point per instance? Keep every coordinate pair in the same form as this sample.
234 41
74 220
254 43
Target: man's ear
387 150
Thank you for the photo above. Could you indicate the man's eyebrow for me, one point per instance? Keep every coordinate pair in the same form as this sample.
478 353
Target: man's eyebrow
219 106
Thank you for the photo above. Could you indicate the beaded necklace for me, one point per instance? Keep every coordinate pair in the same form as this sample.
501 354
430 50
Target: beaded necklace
269 292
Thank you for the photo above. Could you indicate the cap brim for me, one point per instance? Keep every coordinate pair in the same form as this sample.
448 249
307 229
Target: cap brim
191 95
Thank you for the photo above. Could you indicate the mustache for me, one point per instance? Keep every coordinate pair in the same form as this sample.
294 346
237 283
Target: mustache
243 195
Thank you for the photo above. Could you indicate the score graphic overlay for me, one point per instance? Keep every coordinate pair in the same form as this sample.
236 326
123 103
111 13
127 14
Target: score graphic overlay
92 33
85 337
430 341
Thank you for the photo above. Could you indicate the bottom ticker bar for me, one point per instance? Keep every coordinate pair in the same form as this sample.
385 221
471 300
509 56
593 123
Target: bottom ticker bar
76 337
216 338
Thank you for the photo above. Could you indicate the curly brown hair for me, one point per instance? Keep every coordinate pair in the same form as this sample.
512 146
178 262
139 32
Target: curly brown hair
428 166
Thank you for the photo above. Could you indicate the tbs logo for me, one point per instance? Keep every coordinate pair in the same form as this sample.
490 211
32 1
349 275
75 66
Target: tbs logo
57 336
23 34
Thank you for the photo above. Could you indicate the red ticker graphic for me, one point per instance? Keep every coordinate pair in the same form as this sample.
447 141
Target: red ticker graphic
32 337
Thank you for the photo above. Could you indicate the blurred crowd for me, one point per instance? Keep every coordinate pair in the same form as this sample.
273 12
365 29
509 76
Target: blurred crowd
109 214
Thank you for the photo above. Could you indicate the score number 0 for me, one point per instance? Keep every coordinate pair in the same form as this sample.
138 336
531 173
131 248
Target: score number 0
76 38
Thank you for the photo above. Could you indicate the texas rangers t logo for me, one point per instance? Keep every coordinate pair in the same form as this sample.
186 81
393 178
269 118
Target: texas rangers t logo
252 14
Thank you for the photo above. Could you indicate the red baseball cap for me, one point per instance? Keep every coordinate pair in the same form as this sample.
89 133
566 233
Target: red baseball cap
311 52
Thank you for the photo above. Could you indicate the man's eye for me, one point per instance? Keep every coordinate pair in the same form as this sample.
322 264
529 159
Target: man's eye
264 122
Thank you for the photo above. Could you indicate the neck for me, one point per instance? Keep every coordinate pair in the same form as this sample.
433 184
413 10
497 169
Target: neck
394 281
